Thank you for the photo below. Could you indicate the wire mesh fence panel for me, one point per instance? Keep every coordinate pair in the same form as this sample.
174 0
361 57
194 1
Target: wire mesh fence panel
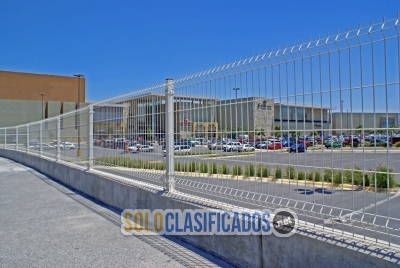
49 138
129 135
74 137
22 138
2 137
307 127
313 127
11 138
34 138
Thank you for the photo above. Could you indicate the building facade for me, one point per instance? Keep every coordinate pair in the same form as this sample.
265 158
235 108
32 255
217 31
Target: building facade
348 122
26 97
303 118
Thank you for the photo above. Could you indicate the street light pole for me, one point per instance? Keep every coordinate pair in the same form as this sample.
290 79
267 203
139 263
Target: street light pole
236 90
79 152
347 124
341 114
42 94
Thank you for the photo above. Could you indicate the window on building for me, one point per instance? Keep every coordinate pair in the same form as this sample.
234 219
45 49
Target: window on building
387 122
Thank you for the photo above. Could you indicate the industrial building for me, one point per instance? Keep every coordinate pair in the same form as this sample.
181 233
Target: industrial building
26 97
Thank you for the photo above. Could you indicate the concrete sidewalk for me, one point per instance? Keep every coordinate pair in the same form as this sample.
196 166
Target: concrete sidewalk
44 224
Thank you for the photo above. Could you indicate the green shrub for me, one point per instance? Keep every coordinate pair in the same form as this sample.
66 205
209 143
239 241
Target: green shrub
301 175
317 176
262 172
368 144
203 167
385 177
367 179
309 175
236 170
347 176
278 173
328 173
358 175
381 144
213 168
249 170
259 171
265 172
337 177
290 172
224 169
192 166
177 166
397 144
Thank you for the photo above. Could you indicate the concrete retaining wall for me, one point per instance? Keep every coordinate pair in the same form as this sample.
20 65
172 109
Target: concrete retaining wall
303 249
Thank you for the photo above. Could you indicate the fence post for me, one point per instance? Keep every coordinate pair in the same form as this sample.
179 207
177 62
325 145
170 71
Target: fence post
40 138
90 139
5 138
58 154
27 138
169 143
16 139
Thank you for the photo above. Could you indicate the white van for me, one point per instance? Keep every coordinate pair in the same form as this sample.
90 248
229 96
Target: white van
178 149
243 137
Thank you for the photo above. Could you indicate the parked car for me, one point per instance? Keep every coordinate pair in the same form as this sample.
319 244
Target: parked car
184 142
31 144
274 140
45 147
133 147
262 145
305 142
287 143
297 148
215 146
119 143
67 145
333 144
178 149
353 142
274 146
201 141
146 148
381 141
232 146
246 147
96 142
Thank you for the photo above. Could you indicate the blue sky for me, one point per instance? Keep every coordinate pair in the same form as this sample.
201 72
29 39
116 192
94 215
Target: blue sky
125 45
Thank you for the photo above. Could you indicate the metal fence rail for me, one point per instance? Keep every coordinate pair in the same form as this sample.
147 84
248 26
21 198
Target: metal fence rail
227 133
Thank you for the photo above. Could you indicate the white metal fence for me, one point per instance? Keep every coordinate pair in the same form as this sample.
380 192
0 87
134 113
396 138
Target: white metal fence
227 133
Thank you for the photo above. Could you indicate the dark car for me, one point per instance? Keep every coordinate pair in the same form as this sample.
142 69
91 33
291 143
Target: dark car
287 143
297 148
353 142
382 142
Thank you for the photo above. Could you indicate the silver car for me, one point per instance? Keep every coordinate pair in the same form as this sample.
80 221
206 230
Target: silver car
246 147
215 146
